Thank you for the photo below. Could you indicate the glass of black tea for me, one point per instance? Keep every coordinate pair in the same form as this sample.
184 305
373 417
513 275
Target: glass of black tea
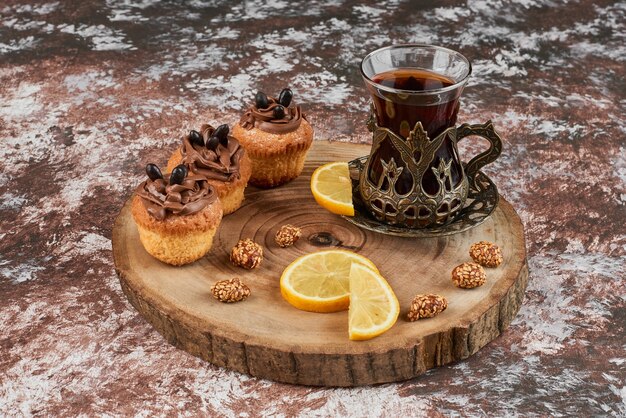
416 83
410 84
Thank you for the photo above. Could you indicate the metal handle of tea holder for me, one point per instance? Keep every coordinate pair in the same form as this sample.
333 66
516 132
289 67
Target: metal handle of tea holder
487 131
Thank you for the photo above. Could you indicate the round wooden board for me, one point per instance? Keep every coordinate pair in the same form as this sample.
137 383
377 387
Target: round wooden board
266 337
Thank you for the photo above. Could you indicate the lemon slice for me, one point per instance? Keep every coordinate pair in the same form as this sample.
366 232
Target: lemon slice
374 307
332 188
319 282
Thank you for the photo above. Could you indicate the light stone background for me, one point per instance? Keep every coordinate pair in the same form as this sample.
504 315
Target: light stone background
90 91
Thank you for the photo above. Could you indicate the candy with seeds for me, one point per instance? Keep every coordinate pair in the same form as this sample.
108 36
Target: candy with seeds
287 235
486 254
230 291
247 254
468 275
426 306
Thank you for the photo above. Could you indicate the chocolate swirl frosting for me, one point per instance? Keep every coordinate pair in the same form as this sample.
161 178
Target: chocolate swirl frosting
265 121
220 164
162 199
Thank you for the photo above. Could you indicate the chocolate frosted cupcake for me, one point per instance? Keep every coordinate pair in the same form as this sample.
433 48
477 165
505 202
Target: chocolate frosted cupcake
220 158
176 216
277 137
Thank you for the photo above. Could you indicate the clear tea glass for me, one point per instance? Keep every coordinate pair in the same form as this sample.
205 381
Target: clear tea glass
413 85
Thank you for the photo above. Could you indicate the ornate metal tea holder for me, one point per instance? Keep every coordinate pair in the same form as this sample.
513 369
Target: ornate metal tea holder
451 209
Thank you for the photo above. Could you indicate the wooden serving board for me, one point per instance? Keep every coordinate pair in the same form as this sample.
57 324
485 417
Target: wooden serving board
266 337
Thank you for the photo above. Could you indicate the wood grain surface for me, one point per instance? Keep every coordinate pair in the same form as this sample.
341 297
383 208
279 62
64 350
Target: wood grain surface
266 337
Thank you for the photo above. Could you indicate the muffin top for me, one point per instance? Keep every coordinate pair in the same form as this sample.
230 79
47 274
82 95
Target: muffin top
212 153
178 194
273 115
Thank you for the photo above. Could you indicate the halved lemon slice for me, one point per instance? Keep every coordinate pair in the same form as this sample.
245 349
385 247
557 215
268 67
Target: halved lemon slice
319 282
374 307
332 188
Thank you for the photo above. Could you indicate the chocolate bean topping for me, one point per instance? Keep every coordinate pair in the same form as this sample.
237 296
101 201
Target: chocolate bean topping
213 161
162 200
153 172
279 112
196 138
178 174
285 97
261 100
272 120
221 131
212 143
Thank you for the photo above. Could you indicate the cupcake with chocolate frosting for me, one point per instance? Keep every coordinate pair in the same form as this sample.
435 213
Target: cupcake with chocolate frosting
276 136
214 154
176 215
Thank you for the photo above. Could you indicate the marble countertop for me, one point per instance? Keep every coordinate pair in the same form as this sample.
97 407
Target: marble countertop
91 91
